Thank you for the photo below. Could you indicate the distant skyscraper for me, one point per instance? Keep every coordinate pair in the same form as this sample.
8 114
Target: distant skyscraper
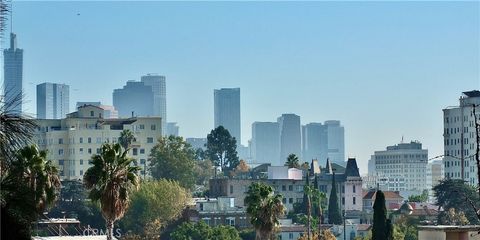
197 142
460 138
172 129
336 142
13 74
290 136
135 98
53 101
265 144
159 89
227 110
315 142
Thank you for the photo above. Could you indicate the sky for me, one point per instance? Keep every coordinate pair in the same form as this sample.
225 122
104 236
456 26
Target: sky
384 69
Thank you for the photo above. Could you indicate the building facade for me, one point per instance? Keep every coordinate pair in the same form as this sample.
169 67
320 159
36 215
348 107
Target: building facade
315 142
336 141
227 111
109 111
172 129
290 136
435 174
159 88
265 144
72 141
53 100
197 143
134 99
460 139
13 75
406 162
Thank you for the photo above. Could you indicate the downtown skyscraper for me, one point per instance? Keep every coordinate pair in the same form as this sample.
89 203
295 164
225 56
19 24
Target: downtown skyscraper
227 111
290 136
265 144
315 142
159 89
13 75
52 100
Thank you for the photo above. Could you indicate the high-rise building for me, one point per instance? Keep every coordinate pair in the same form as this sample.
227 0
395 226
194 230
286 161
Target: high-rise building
460 139
315 142
265 144
13 75
172 129
53 100
227 111
197 143
159 88
290 136
404 163
109 111
134 99
72 141
435 174
336 142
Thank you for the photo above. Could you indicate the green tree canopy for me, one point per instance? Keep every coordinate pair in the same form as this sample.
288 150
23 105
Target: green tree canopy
110 180
222 149
454 193
292 161
201 231
161 201
264 208
334 214
419 198
126 138
173 158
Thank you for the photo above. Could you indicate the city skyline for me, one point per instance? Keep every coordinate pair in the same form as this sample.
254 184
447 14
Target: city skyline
373 70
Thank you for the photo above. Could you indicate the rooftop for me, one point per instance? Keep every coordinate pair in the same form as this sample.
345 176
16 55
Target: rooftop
473 93
388 195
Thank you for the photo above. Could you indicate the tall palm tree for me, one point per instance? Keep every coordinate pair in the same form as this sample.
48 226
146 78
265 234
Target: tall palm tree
110 181
126 138
264 208
292 161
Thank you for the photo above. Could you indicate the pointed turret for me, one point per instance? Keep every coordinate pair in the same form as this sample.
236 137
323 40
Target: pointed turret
328 167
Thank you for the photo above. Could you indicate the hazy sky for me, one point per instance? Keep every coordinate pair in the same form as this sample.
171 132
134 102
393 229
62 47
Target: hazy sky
385 69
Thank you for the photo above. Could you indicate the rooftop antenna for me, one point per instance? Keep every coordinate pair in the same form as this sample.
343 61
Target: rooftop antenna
402 139
11 17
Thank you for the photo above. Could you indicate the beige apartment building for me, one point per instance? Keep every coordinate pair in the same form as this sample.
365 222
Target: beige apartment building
72 141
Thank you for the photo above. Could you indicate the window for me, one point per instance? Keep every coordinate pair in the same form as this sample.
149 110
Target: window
290 187
354 189
60 141
81 150
150 140
89 151
81 140
290 200
231 189
343 201
81 172
99 140
142 126
284 188
81 161
98 151
284 201
61 162
153 127
91 114
142 161
89 140
290 235
142 150
60 151
354 201
135 151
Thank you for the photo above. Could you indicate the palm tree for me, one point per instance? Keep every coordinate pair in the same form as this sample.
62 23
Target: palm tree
264 208
110 181
16 129
126 138
292 161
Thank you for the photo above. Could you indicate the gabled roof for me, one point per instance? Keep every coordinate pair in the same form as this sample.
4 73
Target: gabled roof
388 195
473 93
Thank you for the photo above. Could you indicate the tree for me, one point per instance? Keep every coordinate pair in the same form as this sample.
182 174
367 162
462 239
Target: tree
322 235
126 138
29 186
110 181
305 166
173 158
201 231
242 167
155 205
203 171
419 198
334 215
292 161
452 217
222 149
264 208
381 229
454 193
